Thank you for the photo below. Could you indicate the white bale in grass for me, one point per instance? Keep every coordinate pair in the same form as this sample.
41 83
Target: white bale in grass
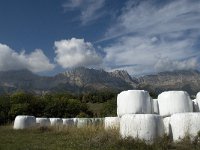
196 105
68 121
75 121
167 126
147 127
23 122
43 122
111 122
133 102
155 108
172 102
185 124
56 121
83 122
98 121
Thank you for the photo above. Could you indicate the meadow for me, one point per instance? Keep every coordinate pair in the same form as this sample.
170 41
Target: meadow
72 138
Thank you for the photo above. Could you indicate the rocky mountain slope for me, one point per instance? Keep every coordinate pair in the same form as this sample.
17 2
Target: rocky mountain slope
77 80
176 80
83 79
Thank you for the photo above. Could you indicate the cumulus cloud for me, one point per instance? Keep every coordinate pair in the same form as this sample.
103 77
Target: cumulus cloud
141 55
76 52
36 61
152 36
90 10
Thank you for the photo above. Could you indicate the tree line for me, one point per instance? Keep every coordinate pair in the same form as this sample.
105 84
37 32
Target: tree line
63 105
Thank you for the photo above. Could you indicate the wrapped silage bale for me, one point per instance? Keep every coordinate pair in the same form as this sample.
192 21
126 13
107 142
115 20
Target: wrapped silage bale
23 122
147 127
133 102
167 126
98 121
75 121
155 108
56 121
196 105
83 122
185 124
198 96
172 102
68 122
43 122
111 122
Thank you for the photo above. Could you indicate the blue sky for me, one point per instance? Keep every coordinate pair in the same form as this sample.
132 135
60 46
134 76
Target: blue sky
140 36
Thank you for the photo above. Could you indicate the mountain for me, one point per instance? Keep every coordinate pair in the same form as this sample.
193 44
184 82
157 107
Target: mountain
83 80
187 80
77 80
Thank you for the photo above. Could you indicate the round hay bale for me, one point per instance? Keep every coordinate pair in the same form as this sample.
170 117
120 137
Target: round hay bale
133 102
68 122
172 102
185 124
167 126
196 105
155 108
23 122
56 121
43 122
111 122
83 122
147 127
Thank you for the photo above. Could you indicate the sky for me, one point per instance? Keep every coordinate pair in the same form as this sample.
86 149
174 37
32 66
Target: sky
140 36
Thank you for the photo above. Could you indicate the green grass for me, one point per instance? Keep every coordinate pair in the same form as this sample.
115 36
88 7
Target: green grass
79 139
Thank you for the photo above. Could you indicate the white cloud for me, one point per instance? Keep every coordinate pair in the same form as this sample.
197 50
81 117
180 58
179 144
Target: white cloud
141 55
151 17
168 65
89 9
76 52
36 61
151 36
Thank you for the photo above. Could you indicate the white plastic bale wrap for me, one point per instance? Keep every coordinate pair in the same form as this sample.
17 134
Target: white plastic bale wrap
196 105
167 126
155 108
133 102
198 96
98 121
23 122
68 121
75 121
83 122
185 124
172 102
147 127
111 122
44 122
56 121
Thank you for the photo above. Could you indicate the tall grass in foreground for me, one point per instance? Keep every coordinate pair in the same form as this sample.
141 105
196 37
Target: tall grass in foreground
58 138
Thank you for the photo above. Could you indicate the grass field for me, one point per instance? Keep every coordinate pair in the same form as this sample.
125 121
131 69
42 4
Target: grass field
79 139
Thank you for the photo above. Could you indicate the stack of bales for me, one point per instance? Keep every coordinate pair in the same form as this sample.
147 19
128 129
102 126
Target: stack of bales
137 121
176 107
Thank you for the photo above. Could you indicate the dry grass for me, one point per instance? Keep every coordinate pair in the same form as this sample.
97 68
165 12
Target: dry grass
71 138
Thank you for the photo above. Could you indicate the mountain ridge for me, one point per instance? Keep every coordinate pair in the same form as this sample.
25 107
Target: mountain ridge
82 79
